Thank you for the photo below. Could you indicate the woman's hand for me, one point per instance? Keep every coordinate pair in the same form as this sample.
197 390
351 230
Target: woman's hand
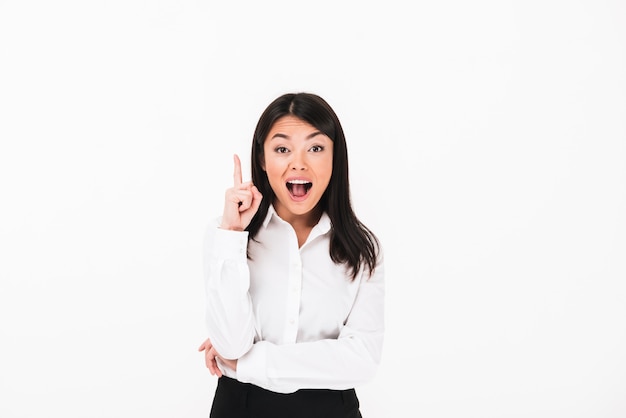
241 202
211 356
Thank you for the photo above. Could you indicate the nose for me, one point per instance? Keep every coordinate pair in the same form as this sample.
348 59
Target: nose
298 162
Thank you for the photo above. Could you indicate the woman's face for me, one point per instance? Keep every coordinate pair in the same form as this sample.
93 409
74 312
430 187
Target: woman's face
299 164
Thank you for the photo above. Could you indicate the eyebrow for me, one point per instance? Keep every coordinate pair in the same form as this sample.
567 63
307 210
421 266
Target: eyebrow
310 136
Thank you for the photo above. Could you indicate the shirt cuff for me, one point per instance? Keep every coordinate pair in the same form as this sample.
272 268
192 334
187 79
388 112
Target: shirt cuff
252 366
230 245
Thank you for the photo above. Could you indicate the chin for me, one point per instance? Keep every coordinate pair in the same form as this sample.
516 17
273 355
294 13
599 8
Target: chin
300 208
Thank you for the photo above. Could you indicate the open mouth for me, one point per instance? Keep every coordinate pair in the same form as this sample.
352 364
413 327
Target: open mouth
299 188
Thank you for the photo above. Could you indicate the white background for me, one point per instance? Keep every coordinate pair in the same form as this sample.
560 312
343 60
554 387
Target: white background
487 145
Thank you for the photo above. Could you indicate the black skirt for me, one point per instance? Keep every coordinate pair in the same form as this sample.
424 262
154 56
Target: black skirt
234 399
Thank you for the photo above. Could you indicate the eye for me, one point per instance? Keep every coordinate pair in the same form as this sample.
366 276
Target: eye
281 150
317 148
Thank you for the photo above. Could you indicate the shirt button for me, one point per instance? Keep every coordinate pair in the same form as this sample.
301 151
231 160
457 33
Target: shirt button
291 321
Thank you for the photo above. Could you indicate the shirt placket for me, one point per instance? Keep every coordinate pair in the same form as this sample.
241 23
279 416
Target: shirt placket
293 298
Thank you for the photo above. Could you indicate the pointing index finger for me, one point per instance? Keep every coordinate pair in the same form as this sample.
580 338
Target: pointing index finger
237 174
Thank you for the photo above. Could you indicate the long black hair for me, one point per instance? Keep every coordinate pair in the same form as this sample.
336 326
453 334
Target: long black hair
351 242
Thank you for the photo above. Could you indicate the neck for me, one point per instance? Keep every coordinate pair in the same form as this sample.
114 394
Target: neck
302 224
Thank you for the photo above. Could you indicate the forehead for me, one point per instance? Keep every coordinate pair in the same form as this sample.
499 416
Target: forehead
290 125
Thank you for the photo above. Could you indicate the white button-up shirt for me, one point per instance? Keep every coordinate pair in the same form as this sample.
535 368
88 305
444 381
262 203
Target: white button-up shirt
291 316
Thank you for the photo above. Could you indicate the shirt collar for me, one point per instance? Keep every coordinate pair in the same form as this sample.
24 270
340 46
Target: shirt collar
323 225
268 217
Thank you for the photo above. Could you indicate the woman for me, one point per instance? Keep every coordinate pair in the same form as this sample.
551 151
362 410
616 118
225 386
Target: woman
294 281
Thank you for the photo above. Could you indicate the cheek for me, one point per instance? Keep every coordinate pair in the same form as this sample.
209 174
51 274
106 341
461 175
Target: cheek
274 172
328 169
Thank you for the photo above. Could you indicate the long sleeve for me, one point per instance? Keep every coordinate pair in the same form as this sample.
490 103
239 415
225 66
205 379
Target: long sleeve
333 363
229 313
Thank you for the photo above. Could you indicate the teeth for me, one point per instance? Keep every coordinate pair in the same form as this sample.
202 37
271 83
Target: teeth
298 182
